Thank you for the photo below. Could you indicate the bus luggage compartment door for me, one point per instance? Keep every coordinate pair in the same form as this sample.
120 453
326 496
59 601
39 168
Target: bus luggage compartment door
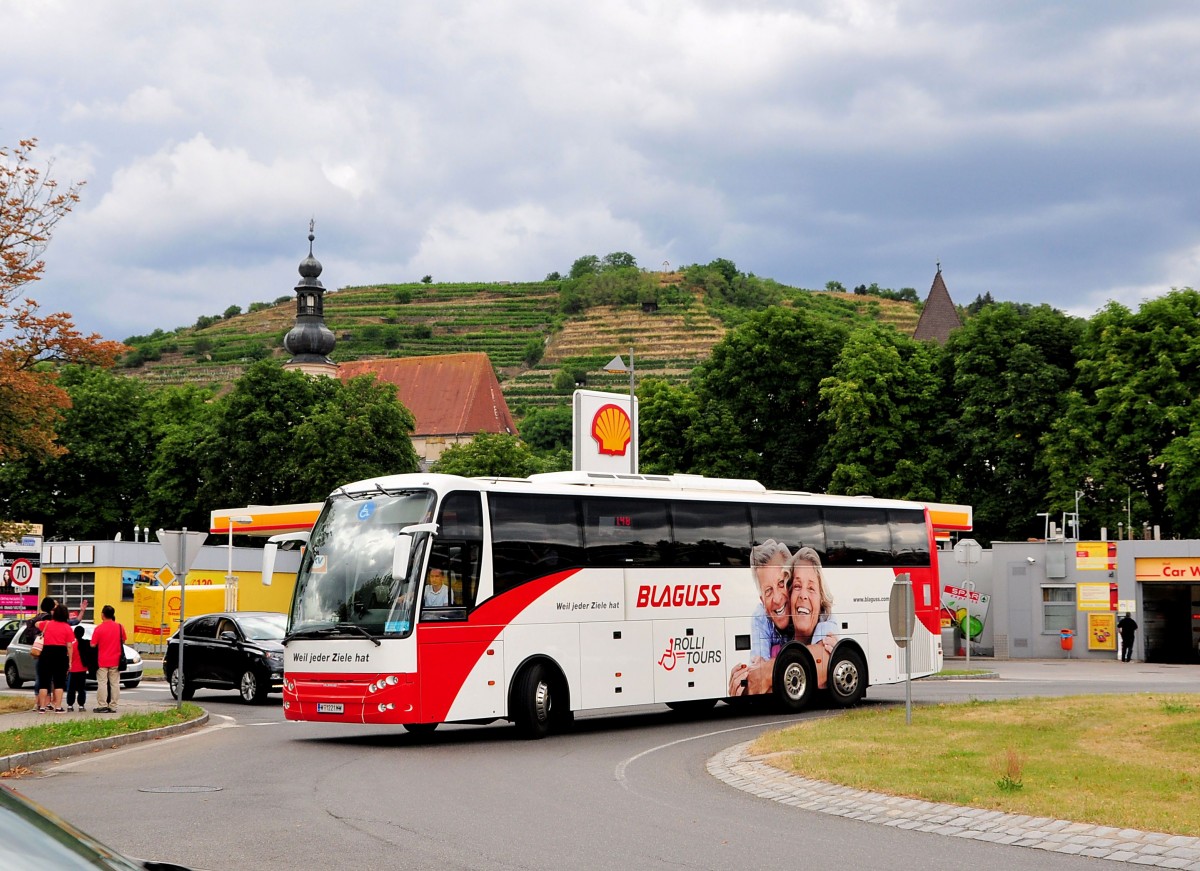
613 664
689 660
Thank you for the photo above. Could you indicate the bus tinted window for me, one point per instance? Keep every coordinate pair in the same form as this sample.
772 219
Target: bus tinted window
532 536
710 534
857 537
910 537
626 532
794 525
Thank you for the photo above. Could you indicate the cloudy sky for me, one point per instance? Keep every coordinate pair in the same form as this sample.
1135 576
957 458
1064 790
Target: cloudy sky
1041 151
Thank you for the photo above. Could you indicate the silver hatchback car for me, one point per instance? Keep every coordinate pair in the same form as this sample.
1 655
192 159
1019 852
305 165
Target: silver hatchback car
20 666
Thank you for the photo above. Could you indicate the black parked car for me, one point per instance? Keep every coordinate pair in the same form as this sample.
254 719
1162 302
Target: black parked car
240 651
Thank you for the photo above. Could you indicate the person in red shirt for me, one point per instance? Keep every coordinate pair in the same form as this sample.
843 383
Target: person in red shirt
81 656
108 639
57 642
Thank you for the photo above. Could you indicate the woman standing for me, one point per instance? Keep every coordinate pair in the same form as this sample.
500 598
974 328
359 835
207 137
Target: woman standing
57 641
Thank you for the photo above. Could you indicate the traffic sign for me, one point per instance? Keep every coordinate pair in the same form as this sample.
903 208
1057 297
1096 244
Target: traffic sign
21 572
967 551
181 548
901 614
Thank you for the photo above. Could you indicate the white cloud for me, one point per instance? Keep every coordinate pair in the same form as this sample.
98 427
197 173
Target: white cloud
1040 149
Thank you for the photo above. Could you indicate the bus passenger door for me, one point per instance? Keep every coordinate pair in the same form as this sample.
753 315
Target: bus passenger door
689 660
462 672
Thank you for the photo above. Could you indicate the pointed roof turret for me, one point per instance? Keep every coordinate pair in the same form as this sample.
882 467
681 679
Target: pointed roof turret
939 317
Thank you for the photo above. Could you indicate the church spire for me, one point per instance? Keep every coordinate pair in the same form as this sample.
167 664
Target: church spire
310 342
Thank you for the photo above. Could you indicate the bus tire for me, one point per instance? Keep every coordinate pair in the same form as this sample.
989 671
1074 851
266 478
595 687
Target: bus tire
537 697
794 680
847 677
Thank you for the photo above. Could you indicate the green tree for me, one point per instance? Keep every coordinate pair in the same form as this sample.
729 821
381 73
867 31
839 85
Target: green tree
90 490
1134 398
180 423
354 431
886 415
282 436
548 429
759 394
588 264
1008 371
490 455
666 414
618 260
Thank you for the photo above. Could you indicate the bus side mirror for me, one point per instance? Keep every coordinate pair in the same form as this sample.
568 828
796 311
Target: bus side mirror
401 556
403 551
270 549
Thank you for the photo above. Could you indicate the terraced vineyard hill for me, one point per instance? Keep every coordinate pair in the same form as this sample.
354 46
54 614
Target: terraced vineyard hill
511 322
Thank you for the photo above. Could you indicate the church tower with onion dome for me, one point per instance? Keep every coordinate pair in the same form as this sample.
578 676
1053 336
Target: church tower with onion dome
310 342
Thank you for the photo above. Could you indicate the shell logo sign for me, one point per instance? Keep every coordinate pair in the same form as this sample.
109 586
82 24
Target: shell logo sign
611 430
603 433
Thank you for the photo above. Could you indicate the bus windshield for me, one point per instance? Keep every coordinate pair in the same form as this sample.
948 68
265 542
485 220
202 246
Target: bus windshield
345 583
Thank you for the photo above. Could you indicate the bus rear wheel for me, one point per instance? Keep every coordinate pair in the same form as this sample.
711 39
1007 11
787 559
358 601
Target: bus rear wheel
847 678
794 679
538 700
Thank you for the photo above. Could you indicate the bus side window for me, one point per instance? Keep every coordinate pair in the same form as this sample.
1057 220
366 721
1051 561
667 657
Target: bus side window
459 545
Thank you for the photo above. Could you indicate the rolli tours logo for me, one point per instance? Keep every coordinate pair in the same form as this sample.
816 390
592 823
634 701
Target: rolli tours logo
689 649
611 430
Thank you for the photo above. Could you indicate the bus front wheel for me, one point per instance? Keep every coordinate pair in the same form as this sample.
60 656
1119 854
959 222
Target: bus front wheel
847 678
794 679
537 699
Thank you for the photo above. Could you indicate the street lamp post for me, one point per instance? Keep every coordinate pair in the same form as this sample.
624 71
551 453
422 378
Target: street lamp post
230 579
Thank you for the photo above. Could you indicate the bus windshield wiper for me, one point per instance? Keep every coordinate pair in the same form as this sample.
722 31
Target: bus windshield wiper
356 629
341 629
311 632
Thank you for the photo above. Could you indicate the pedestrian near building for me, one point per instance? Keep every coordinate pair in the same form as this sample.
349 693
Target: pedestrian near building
55 659
109 641
1128 627
81 657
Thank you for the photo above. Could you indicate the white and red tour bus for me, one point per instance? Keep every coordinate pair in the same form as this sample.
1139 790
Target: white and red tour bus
424 599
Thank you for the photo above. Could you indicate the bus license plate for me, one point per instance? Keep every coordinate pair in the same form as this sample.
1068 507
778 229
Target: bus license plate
330 708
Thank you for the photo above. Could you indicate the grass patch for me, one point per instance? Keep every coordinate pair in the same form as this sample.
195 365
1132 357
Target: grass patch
1127 761
61 729
963 672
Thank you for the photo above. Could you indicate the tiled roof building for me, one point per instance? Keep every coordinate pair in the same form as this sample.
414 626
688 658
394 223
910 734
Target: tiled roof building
452 396
939 317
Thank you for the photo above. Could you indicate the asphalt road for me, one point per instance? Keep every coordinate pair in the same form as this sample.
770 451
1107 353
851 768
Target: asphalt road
624 790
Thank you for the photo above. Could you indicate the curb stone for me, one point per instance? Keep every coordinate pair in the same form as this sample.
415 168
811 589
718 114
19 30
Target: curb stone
50 754
737 768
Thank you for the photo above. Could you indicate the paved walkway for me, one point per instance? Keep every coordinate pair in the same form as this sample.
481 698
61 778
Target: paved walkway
736 767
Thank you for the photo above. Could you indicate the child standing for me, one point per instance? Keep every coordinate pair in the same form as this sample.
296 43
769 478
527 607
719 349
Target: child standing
81 655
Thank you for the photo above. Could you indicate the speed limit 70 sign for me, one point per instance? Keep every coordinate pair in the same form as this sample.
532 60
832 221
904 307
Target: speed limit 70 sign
20 573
